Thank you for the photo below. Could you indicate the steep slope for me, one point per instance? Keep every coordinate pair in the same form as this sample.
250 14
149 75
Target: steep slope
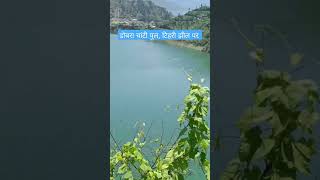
194 19
143 10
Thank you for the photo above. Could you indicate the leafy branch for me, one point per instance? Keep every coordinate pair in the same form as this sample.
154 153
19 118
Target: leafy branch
276 132
170 162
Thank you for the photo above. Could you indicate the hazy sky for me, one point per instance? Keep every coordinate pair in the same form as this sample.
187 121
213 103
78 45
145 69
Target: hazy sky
180 6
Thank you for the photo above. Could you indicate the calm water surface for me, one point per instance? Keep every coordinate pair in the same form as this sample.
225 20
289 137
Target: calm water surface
148 81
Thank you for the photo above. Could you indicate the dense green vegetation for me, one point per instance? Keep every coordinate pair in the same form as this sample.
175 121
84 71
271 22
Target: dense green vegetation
194 19
143 10
276 139
276 132
142 14
170 161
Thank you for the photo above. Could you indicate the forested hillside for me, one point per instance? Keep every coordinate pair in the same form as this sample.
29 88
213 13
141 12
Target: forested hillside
194 19
143 10
137 14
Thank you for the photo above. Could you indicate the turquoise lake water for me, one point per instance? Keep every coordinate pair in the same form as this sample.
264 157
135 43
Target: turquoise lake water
147 82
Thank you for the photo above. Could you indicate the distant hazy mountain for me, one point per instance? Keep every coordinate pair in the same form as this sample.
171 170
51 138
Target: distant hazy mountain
181 6
144 10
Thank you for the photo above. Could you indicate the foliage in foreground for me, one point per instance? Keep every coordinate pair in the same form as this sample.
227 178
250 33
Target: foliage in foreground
276 132
170 162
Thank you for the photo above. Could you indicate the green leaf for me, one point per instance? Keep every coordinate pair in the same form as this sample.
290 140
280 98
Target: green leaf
296 92
244 151
164 166
262 95
206 167
122 169
252 137
204 144
128 175
308 119
144 167
276 124
264 149
175 164
309 84
170 154
159 175
284 156
254 115
272 94
304 149
182 118
270 74
300 161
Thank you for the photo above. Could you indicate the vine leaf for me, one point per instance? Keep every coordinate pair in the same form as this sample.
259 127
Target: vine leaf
300 162
265 147
251 142
254 115
269 75
309 84
122 169
244 151
144 167
295 93
262 95
289 108
284 156
308 119
276 124
274 94
128 175
204 144
305 150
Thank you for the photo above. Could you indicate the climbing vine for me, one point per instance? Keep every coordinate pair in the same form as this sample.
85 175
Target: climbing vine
276 132
169 162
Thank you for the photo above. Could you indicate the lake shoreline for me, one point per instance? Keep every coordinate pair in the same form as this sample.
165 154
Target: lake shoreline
185 45
179 44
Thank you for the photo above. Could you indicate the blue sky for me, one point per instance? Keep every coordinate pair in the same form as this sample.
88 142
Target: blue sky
180 6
